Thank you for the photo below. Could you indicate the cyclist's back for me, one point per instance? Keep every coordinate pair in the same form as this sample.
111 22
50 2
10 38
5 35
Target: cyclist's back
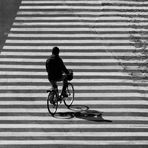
55 67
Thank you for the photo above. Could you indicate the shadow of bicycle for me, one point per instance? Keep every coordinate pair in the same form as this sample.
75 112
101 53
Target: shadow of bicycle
82 112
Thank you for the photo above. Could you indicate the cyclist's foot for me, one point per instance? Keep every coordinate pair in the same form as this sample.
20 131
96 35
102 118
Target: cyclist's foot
60 99
64 94
52 101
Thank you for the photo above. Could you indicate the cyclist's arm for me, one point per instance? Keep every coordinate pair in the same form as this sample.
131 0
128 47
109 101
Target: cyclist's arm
65 70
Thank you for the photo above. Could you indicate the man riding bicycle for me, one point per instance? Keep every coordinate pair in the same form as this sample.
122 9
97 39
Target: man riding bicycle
55 69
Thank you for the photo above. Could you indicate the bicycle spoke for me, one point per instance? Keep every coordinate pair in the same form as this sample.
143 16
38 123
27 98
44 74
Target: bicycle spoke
70 92
52 103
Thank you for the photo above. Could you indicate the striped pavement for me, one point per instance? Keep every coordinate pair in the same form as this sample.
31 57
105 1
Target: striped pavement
95 41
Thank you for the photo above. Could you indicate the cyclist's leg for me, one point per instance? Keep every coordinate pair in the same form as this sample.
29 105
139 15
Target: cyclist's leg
54 86
65 84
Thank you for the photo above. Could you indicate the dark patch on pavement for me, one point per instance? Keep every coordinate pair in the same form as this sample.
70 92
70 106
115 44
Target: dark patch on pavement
8 10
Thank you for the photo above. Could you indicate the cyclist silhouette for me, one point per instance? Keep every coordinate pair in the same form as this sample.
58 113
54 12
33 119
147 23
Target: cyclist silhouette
57 71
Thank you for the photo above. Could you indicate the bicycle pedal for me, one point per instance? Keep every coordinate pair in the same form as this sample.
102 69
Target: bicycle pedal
52 102
60 100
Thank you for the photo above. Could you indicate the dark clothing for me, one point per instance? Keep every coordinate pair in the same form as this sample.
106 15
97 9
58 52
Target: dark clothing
55 86
55 68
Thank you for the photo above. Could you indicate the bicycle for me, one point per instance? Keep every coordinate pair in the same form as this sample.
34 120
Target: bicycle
55 98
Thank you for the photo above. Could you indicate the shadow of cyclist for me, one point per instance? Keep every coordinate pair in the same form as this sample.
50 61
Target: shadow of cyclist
82 112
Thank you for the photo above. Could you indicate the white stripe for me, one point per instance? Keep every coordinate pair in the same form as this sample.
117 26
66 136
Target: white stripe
90 80
84 13
61 54
68 41
81 1
74 142
89 24
68 35
44 110
75 134
77 126
23 73
59 2
65 60
77 48
99 95
79 67
95 41
128 55
74 29
76 73
76 18
74 54
82 7
86 88
50 118
80 102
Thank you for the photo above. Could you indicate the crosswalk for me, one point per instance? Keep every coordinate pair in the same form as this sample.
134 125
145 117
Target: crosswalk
95 41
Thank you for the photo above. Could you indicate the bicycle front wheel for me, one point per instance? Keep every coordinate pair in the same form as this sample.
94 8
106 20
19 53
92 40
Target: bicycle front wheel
52 103
70 92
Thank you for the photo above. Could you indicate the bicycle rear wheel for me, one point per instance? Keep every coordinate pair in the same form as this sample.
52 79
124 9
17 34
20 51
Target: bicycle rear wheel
70 92
52 103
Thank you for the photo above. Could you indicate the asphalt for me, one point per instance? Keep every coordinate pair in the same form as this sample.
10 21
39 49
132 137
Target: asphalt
8 10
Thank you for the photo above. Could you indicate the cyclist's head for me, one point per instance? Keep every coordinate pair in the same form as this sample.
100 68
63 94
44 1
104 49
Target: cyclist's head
55 51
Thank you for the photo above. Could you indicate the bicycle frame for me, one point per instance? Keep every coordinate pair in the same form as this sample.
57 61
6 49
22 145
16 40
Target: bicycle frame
58 97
